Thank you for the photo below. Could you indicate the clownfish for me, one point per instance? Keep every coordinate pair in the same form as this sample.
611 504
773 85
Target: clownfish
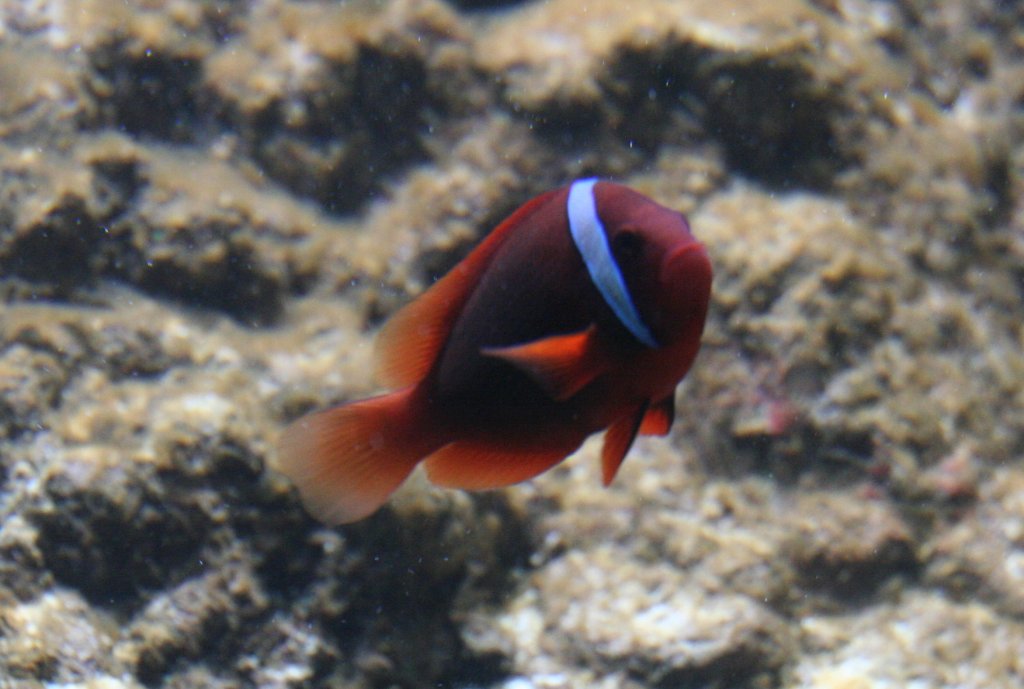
580 312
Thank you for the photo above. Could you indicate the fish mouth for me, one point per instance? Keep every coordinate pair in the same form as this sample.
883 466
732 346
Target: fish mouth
686 286
688 264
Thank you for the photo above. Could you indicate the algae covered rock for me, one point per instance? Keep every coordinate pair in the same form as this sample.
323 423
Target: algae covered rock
746 74
313 91
924 639
981 555
600 612
207 209
178 227
58 638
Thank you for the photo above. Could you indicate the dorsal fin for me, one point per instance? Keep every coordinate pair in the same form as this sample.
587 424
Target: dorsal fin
411 340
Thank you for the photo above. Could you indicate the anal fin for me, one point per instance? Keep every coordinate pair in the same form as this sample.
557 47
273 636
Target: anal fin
485 464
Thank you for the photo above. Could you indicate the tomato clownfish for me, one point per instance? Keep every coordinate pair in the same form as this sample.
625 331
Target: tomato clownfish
580 312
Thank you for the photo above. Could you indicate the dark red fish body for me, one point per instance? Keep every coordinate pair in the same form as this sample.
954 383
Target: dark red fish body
582 311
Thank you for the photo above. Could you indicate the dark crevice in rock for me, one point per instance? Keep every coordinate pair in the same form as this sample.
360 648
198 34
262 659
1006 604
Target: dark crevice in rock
118 538
655 95
855 580
356 133
241 289
775 123
59 252
151 95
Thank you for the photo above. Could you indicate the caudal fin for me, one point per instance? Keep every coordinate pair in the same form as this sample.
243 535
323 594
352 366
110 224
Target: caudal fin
346 461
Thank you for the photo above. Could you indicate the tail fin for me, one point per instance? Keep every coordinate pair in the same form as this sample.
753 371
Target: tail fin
346 461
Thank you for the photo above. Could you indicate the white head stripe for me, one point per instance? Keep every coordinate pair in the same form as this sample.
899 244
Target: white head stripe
592 241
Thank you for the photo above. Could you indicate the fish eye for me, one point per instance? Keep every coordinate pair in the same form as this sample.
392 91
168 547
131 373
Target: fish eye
627 244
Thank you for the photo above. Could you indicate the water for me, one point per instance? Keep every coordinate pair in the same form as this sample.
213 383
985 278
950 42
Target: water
208 210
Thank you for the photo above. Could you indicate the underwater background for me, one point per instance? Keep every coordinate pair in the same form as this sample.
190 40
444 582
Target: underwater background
208 208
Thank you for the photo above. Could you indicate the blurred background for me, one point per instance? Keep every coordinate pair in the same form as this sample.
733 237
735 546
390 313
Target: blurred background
207 209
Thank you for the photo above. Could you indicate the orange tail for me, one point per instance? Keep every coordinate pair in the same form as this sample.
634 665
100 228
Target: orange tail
348 460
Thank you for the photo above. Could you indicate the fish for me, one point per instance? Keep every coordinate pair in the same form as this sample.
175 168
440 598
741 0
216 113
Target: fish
580 312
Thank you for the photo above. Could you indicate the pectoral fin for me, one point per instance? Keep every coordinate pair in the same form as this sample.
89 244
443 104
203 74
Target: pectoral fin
562 365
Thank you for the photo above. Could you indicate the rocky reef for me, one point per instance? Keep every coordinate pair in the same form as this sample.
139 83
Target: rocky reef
207 208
